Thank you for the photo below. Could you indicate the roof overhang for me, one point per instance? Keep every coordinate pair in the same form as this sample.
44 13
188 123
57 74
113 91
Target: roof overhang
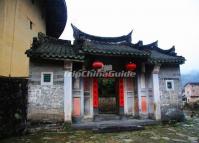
56 17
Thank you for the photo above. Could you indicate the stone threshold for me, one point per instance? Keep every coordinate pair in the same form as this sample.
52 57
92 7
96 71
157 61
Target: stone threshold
115 125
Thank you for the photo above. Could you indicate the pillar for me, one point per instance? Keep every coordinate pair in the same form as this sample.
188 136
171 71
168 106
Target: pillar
156 92
68 92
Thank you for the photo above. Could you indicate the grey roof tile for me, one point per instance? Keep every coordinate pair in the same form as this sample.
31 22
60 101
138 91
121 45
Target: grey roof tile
51 48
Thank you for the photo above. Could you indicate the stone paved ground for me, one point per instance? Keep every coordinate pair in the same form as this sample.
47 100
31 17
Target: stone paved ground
187 132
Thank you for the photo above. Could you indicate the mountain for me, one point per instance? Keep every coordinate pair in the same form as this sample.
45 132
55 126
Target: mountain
190 77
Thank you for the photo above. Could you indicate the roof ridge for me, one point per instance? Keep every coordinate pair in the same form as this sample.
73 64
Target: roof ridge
154 46
78 34
42 38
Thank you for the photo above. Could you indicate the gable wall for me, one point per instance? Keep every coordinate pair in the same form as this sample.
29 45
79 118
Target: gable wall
170 99
46 102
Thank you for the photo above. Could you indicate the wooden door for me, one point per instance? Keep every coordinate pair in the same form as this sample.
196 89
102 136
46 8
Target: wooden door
87 96
130 96
77 99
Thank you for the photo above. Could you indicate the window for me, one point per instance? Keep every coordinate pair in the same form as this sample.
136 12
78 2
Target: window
31 25
46 78
169 85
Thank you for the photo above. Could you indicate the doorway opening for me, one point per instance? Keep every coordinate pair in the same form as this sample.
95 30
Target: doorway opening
108 99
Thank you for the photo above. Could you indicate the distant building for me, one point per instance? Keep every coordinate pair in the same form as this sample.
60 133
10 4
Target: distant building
20 21
56 94
191 92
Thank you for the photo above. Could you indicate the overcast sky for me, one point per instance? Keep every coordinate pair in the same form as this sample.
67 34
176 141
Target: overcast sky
171 22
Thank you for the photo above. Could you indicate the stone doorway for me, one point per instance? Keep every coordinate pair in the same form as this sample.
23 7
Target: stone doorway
108 99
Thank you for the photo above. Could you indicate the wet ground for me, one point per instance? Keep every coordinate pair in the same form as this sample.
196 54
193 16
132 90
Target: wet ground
180 133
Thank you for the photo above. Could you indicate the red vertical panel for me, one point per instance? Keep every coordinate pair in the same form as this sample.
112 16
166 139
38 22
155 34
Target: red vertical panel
121 92
144 104
76 107
95 93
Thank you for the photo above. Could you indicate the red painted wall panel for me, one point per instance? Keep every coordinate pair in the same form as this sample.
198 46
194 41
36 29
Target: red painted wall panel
121 92
144 104
95 93
76 107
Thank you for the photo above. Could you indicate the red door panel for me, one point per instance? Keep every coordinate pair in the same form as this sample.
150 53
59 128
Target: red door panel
76 106
144 104
95 93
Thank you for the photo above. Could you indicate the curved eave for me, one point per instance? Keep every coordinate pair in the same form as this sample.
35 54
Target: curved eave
179 61
78 34
56 17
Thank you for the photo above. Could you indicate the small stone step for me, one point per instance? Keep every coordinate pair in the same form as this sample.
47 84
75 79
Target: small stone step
115 125
106 117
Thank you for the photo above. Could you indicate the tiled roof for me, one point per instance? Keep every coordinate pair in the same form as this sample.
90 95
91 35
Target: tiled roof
50 48
158 55
112 49
122 46
192 83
